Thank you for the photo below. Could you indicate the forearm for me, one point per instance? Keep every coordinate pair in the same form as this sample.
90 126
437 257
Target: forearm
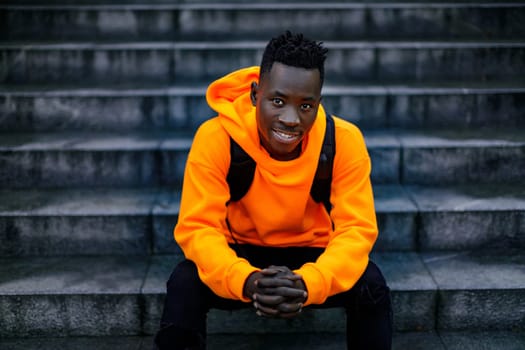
355 231
335 271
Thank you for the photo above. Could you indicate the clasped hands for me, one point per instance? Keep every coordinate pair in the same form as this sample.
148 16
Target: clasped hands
276 291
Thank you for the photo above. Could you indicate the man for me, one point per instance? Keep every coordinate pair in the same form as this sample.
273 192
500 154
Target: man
276 249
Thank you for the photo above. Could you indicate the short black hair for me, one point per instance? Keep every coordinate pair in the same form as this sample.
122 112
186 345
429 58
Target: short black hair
294 50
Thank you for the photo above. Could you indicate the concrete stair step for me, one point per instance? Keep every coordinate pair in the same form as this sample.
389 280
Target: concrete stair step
70 160
166 62
401 341
80 160
456 105
88 221
110 296
79 343
236 19
55 297
140 221
329 341
454 218
483 340
466 286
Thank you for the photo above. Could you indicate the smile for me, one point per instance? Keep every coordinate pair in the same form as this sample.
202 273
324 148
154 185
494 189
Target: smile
285 137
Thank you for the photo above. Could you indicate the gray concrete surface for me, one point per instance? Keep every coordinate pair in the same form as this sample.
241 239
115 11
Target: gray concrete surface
334 341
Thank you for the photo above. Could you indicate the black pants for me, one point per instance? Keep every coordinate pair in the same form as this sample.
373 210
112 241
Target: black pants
188 300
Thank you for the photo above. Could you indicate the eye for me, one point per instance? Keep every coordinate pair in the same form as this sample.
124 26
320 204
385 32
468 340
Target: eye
277 101
306 107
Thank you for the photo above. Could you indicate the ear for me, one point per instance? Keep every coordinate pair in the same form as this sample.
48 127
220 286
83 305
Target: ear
253 93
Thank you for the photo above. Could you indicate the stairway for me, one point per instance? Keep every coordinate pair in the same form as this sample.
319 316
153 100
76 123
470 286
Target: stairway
99 100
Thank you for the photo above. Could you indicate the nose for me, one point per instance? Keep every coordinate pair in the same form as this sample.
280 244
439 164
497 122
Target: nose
289 117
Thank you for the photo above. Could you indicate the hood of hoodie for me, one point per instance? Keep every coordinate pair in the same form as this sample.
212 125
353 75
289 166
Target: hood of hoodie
229 96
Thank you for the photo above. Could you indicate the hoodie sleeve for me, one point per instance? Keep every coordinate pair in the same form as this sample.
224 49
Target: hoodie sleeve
201 229
353 214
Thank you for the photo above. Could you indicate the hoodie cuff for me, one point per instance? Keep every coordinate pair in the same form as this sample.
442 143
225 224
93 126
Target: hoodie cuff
237 276
315 284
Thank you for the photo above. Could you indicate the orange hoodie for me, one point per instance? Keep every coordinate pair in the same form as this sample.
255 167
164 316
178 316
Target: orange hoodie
277 210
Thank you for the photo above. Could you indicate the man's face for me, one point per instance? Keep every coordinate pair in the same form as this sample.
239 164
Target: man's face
286 100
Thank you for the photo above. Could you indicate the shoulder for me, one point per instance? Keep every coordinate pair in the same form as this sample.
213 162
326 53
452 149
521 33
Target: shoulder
346 132
211 132
350 146
211 142
210 127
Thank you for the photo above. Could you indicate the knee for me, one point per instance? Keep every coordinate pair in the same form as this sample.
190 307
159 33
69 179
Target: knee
372 289
185 274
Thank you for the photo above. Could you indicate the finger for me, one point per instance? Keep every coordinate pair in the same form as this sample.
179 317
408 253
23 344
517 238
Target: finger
268 300
290 275
288 292
294 277
269 272
281 268
262 314
273 282
287 308
274 270
281 312
264 310
277 270
290 310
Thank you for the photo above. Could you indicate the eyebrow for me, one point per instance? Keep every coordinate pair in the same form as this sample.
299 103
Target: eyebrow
282 94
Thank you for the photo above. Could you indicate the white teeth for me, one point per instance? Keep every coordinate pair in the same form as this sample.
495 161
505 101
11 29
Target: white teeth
285 136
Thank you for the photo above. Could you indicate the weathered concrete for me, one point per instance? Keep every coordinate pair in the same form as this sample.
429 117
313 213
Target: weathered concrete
385 154
79 160
137 159
470 217
77 343
414 293
76 222
108 108
463 157
165 215
490 340
77 296
327 21
154 290
71 296
323 341
88 222
141 221
170 62
396 219
481 291
183 107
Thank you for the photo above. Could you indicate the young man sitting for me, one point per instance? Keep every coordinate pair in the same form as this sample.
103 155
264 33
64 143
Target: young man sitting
276 249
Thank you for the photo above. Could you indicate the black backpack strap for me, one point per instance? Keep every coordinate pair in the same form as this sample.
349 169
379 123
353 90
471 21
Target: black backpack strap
321 186
241 172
